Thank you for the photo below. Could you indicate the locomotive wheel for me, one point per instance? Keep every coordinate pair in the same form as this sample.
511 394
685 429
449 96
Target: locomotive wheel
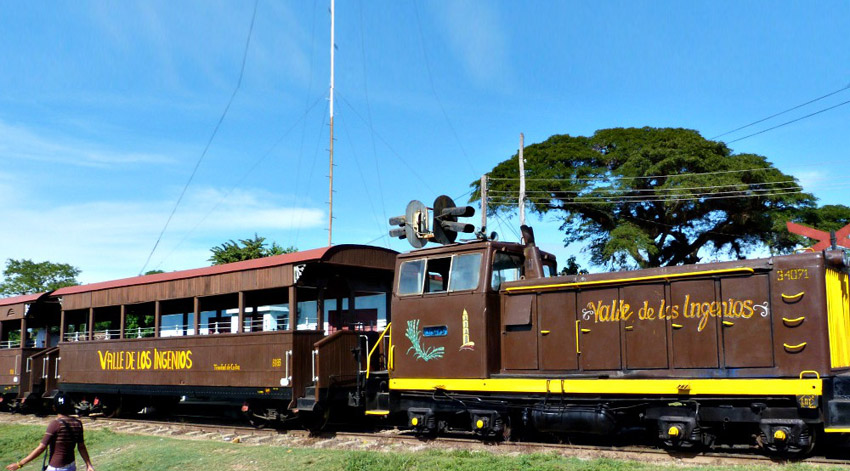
316 420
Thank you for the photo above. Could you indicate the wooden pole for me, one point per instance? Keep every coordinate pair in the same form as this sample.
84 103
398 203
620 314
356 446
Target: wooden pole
123 322
61 327
484 205
91 323
241 317
157 317
197 315
293 308
521 181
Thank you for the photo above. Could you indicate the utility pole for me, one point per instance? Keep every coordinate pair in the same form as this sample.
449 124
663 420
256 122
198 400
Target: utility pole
484 205
331 149
521 181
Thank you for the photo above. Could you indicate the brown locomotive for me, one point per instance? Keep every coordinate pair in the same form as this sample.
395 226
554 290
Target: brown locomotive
483 338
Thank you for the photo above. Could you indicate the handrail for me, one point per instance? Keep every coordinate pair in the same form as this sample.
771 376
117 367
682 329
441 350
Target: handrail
378 342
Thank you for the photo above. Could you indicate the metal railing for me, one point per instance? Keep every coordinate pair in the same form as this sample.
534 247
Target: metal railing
10 344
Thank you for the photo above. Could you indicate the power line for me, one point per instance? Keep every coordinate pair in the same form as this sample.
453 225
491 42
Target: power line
379 182
649 190
386 143
209 142
789 122
646 177
671 199
434 89
782 112
242 179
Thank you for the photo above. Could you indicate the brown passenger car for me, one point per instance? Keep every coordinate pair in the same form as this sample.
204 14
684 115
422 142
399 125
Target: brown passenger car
244 332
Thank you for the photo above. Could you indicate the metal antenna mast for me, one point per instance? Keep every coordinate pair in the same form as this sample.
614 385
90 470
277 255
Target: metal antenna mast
331 149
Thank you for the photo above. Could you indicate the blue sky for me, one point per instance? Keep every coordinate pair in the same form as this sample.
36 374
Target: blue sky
105 107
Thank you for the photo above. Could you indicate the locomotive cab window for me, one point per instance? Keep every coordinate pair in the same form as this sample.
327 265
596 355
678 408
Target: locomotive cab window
506 267
438 274
411 276
466 269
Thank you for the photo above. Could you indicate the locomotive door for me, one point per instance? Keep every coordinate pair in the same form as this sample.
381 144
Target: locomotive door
598 328
747 335
645 326
519 333
694 330
556 331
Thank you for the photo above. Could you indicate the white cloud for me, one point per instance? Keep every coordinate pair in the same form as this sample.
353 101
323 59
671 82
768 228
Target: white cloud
19 142
112 239
811 179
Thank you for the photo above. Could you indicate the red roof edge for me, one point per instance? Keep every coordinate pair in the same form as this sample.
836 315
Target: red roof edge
26 298
276 260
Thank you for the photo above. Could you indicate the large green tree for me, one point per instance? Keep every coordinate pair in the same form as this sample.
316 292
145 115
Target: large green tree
649 197
27 277
246 249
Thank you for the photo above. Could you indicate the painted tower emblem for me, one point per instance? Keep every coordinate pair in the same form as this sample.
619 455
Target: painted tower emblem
467 344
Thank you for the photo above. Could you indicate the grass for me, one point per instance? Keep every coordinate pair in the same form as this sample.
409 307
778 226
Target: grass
125 452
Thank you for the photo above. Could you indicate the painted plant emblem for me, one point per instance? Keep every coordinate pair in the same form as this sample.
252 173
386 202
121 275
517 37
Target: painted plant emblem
414 334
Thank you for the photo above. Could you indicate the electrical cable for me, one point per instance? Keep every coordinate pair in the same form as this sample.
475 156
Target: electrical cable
782 112
369 115
209 142
434 90
788 122
386 143
242 179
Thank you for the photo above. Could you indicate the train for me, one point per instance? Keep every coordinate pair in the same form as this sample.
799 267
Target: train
479 336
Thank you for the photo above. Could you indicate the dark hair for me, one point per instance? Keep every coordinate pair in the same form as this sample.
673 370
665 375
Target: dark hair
63 404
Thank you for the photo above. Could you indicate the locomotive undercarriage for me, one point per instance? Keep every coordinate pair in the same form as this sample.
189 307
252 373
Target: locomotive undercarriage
775 424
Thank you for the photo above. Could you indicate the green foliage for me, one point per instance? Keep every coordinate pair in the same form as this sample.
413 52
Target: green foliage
649 197
27 277
246 249
572 267
154 272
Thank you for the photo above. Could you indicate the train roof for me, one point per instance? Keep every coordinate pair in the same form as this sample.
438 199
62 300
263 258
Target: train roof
344 254
23 299
470 245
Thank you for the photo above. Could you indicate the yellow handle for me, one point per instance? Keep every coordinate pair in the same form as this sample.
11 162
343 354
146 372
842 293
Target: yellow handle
794 348
578 323
805 372
630 327
677 326
728 323
544 332
793 297
585 331
793 322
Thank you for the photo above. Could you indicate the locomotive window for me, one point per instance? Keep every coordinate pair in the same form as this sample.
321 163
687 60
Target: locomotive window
548 270
465 272
411 277
438 274
506 267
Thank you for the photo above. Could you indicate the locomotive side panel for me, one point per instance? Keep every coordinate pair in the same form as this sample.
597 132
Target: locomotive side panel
694 333
747 327
645 326
799 314
599 327
558 346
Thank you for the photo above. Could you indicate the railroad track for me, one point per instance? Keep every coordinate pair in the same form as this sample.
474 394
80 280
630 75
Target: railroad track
395 440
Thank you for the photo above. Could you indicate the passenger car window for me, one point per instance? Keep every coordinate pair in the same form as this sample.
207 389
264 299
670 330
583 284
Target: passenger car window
466 270
506 267
437 274
410 279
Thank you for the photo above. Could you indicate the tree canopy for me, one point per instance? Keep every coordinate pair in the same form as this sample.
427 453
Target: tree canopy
246 249
28 277
649 197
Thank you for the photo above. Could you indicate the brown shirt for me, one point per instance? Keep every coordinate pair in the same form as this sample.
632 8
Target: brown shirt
63 439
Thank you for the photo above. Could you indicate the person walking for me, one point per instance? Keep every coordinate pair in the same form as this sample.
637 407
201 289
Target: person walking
63 435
